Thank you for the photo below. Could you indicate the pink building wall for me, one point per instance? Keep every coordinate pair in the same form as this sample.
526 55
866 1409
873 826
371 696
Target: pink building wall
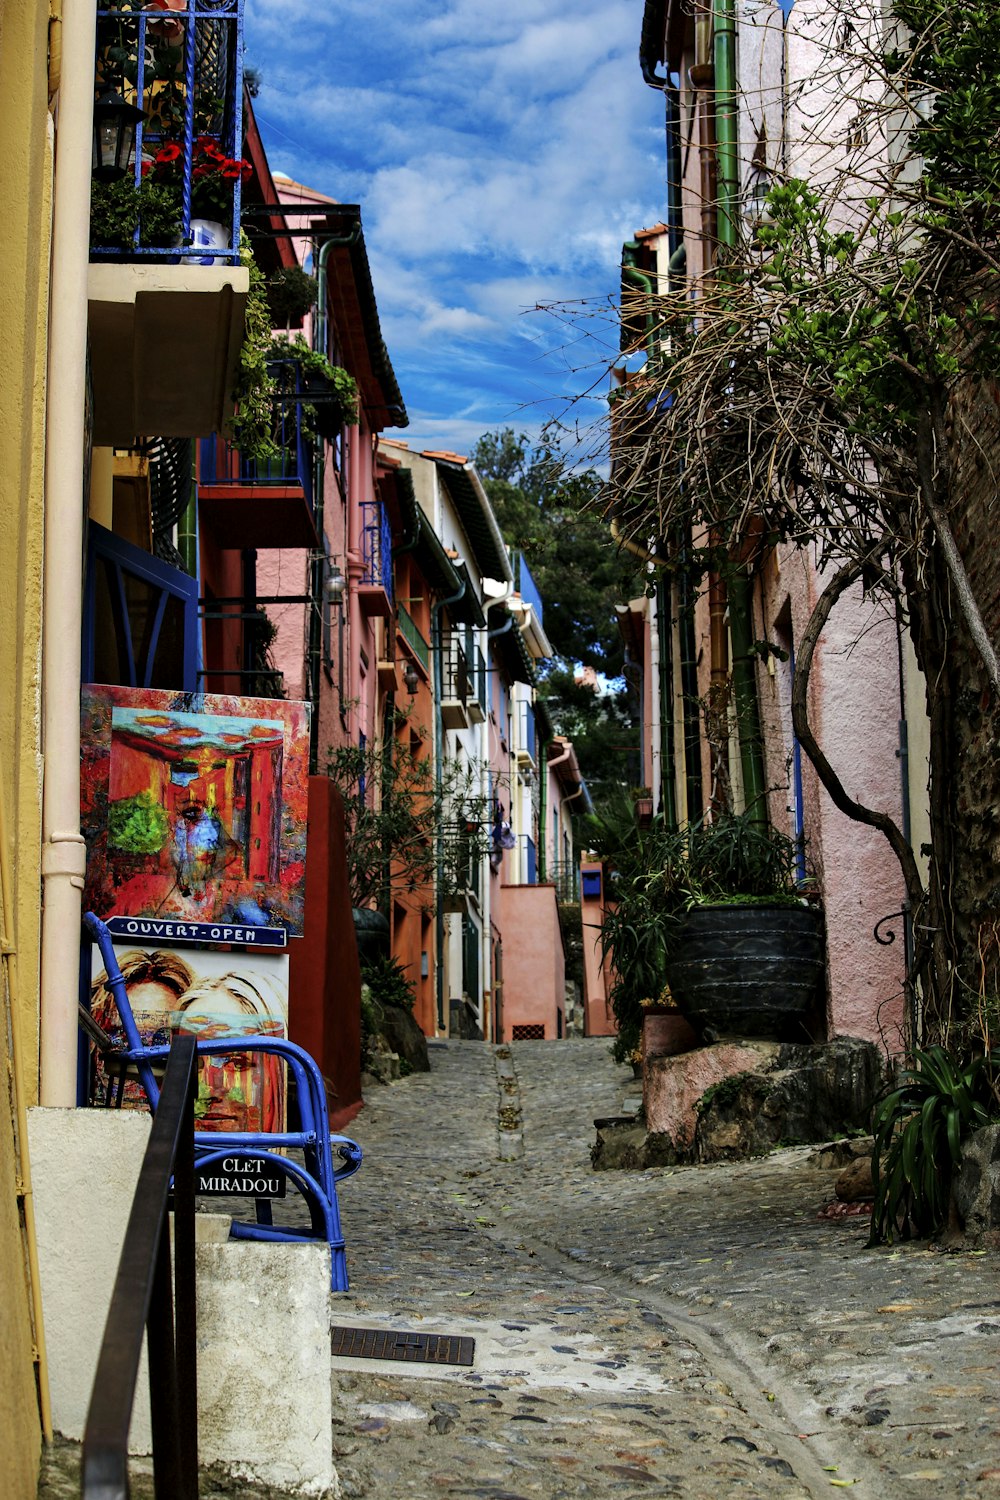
854 709
534 963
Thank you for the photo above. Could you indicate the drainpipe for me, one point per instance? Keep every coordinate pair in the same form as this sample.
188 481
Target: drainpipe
436 647
643 283
317 559
668 793
63 854
656 707
689 691
546 768
739 580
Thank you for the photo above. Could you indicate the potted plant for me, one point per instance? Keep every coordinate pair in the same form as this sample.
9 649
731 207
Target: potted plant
642 798
291 293
714 911
214 176
120 208
301 370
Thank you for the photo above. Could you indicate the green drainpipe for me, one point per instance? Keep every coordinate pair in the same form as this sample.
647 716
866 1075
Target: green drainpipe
738 580
668 796
644 283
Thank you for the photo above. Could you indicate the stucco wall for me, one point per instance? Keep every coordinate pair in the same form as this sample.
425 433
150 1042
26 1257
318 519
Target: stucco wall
854 708
25 184
534 966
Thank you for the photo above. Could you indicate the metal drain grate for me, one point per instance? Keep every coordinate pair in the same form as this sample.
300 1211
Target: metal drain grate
418 1348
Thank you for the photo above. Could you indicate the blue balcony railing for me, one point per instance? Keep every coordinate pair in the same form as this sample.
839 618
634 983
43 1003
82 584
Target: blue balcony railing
376 546
221 463
183 69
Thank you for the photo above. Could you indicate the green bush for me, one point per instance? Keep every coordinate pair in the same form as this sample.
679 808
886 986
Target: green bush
387 983
919 1127
118 208
656 874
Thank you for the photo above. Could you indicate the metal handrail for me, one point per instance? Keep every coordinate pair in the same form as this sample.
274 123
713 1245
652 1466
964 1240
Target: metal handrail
146 1297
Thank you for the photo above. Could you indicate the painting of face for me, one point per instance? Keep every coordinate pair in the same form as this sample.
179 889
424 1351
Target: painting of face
194 807
209 995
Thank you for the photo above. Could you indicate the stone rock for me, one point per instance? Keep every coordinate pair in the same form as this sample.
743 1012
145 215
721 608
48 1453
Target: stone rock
806 1093
842 1153
379 1063
404 1037
674 1085
854 1185
624 1144
976 1188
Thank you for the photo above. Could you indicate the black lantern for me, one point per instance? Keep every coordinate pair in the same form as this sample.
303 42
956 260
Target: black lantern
114 136
411 678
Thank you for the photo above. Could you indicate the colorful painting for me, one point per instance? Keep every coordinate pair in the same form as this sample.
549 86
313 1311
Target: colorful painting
194 806
209 995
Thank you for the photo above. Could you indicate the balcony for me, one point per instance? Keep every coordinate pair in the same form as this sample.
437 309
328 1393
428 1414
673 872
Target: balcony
461 870
166 293
263 502
477 705
375 587
413 638
457 690
526 739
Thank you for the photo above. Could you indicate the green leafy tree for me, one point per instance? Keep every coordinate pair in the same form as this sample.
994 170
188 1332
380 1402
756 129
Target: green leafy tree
549 511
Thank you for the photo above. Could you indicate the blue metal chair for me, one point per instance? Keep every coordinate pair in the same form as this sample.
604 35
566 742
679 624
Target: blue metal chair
316 1179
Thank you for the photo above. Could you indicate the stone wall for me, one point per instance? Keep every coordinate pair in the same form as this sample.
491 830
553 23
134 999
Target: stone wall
976 447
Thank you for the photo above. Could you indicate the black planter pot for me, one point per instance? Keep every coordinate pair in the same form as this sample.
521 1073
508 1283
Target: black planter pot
750 971
371 933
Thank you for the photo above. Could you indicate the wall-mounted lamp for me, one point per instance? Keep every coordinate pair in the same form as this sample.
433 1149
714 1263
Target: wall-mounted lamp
759 184
114 136
335 585
411 678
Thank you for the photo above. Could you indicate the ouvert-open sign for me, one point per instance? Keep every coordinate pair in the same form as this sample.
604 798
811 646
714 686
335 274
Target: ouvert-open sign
240 1177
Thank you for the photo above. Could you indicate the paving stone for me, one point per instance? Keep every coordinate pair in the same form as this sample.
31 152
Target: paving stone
654 1314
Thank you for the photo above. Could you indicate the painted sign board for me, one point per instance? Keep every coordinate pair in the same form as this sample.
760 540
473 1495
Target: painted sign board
240 1177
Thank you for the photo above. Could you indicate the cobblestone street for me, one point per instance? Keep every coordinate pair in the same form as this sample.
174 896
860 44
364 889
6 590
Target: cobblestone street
691 1332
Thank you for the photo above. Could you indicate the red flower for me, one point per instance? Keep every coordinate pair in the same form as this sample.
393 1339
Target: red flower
206 146
168 152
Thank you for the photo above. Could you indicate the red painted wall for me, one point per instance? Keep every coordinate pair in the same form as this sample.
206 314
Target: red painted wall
325 980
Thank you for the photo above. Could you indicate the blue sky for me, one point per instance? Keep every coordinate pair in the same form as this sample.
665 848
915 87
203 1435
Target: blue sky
501 151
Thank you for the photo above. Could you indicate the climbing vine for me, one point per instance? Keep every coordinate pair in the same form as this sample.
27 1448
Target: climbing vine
811 399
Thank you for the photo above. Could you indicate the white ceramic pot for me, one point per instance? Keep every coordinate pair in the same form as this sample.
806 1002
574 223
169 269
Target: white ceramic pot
206 234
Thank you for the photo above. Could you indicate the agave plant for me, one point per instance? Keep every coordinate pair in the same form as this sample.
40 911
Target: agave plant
919 1128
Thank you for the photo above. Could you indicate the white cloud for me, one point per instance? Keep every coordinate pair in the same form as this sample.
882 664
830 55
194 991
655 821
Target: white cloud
500 154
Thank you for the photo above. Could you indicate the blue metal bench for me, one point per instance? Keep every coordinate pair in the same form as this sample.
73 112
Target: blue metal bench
316 1179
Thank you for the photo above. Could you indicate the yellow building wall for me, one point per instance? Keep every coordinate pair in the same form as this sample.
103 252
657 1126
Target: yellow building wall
25 191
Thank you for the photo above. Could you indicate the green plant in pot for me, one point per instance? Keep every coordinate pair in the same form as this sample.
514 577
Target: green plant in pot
713 911
334 389
118 209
